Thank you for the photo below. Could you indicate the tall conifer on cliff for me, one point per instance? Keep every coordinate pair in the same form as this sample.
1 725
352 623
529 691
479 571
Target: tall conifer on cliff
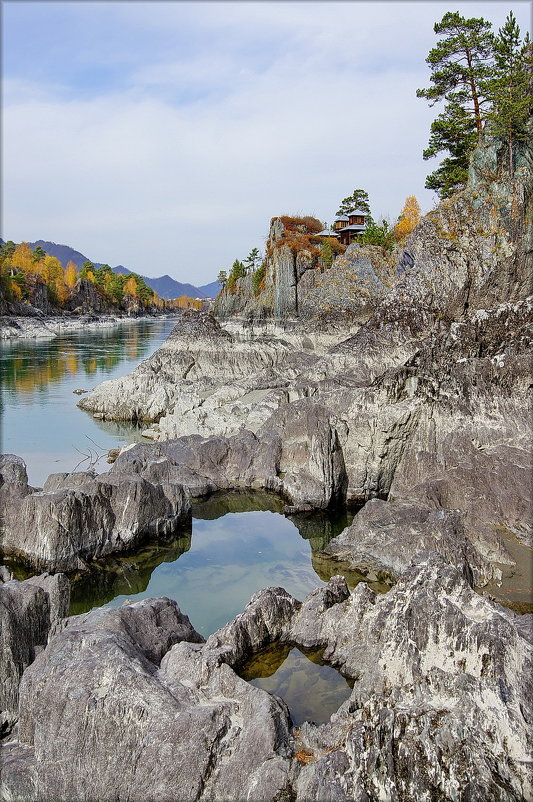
509 89
460 69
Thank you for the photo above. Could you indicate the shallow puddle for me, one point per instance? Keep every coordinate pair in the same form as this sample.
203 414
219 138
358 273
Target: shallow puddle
514 590
238 544
311 689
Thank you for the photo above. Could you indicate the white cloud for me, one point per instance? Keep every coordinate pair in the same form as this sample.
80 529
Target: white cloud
181 172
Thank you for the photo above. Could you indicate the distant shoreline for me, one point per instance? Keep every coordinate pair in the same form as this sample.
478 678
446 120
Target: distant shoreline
49 326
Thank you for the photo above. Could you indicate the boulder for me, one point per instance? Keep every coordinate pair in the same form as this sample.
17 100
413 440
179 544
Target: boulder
144 722
12 469
385 536
79 517
28 611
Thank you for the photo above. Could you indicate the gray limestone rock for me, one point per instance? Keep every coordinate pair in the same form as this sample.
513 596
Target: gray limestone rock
144 722
28 611
385 536
80 517
128 704
297 454
12 469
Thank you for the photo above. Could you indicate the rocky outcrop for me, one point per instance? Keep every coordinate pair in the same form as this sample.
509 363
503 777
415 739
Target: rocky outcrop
296 283
149 718
28 611
299 458
78 517
85 298
385 537
440 707
44 326
202 380
291 250
433 678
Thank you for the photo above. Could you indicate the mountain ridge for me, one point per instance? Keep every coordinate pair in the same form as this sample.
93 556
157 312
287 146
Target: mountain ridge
165 286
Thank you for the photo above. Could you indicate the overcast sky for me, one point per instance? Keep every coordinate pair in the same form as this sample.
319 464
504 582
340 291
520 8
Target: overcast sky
164 135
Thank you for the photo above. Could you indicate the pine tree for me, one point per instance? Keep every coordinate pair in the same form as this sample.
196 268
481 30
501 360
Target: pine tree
357 200
38 254
461 66
8 249
86 269
381 235
222 278
509 87
101 274
253 257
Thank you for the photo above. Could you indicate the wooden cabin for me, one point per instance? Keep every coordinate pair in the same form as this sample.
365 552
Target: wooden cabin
341 221
350 226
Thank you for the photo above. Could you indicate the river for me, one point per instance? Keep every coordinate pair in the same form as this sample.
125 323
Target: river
40 420
238 543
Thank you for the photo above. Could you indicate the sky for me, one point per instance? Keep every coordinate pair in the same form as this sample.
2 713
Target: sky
164 136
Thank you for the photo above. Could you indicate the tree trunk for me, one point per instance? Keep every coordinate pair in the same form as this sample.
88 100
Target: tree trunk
473 90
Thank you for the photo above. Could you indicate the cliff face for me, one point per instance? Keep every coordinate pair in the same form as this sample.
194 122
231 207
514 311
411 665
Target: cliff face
276 294
297 284
473 251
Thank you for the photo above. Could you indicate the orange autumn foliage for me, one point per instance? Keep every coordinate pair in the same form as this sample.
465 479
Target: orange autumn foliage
408 219
71 274
22 258
130 287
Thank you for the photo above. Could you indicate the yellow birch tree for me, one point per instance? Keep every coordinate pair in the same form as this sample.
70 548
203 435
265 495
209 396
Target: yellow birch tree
71 274
408 219
130 287
22 258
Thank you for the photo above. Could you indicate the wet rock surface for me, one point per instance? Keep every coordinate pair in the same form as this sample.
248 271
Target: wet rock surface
441 701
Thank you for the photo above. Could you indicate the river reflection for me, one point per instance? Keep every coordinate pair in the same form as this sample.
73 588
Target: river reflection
40 420
239 543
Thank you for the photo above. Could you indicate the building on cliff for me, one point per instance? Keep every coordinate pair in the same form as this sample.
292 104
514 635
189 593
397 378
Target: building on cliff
349 226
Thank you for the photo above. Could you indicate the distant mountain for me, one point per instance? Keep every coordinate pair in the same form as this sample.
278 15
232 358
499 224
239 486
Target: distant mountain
165 286
211 290
62 252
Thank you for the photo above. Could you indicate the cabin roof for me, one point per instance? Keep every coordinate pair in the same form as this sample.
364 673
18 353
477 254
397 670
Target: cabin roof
357 211
341 217
326 233
354 227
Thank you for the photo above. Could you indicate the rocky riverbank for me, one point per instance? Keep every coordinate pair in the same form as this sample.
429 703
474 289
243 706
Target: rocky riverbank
418 408
439 707
46 326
